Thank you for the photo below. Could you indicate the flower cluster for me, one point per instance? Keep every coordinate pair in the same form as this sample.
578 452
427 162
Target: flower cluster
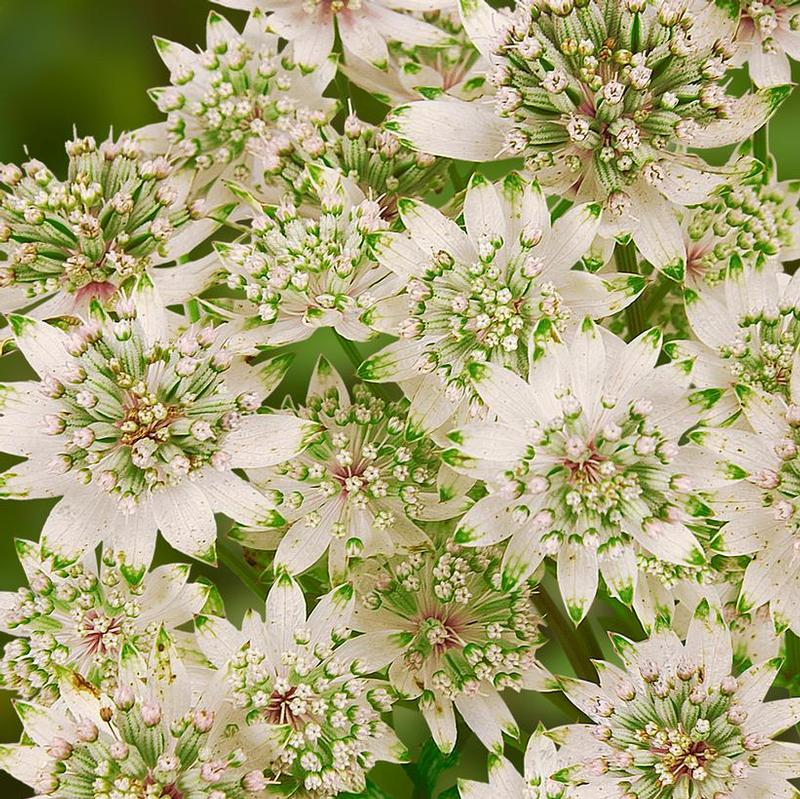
442 421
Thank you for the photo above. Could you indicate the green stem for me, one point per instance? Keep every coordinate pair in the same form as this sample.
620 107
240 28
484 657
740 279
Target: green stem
235 563
560 208
761 144
578 647
350 350
626 260
356 359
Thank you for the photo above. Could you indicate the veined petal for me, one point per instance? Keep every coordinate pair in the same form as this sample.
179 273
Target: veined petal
441 720
577 578
44 346
494 442
186 519
571 237
488 717
746 115
708 643
488 521
433 231
483 213
268 439
468 131
483 25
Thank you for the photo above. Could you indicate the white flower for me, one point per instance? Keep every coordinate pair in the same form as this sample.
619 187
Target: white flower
240 106
542 764
584 464
116 376
79 618
362 487
748 333
675 722
754 469
120 213
744 224
769 36
629 154
299 682
414 72
159 733
302 272
484 295
363 25
455 638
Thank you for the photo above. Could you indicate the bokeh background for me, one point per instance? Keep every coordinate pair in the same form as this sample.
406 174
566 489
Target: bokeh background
88 64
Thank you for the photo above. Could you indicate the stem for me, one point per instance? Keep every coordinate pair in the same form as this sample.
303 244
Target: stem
235 563
578 648
350 350
355 357
761 144
625 258
560 208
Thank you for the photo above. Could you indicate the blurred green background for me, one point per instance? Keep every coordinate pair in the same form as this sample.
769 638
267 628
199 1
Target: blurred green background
88 63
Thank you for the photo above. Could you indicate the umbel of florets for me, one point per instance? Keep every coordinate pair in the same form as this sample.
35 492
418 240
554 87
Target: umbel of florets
148 738
78 618
242 102
744 224
600 91
301 272
112 218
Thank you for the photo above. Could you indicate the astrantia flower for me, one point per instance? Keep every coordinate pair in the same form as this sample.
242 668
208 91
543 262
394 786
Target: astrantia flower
484 295
118 214
78 618
151 738
416 72
602 100
769 36
456 638
584 463
675 722
363 25
137 429
756 472
541 763
300 681
300 272
748 329
743 224
361 488
240 104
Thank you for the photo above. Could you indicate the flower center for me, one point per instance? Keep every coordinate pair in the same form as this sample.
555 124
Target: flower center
101 634
681 756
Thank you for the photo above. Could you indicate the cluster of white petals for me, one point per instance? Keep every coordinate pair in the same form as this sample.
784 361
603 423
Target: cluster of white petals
434 326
